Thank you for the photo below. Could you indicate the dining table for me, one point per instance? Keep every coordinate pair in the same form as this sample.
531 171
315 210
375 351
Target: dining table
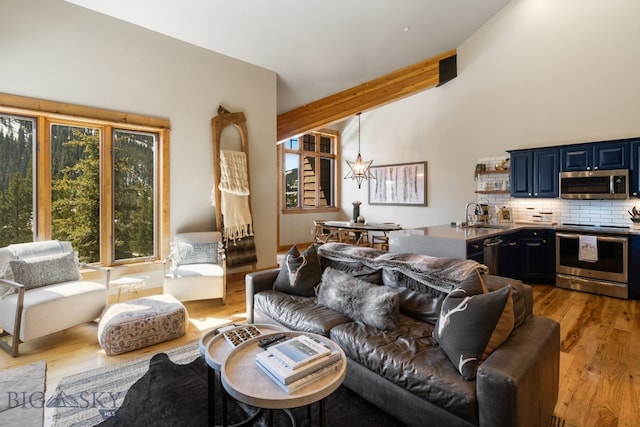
362 229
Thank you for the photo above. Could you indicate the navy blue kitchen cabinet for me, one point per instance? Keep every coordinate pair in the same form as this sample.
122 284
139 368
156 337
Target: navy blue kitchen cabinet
534 173
538 256
596 155
529 255
634 168
521 173
634 266
475 250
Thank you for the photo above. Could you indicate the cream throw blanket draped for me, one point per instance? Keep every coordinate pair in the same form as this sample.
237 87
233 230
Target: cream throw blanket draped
234 191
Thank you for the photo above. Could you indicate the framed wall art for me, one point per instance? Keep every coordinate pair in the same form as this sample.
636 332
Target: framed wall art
403 184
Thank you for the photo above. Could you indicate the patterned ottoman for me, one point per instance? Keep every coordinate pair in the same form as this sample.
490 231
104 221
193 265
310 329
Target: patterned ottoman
141 322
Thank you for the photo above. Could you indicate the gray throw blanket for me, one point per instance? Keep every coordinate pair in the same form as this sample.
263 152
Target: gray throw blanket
443 274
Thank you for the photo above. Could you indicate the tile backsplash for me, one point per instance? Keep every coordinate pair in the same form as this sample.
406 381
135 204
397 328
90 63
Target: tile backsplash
598 212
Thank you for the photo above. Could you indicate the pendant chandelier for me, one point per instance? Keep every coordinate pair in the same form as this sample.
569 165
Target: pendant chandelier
359 170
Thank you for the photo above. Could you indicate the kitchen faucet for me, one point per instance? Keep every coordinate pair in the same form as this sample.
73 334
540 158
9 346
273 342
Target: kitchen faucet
467 217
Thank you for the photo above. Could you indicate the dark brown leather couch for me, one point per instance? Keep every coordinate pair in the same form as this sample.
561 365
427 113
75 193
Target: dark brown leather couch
404 371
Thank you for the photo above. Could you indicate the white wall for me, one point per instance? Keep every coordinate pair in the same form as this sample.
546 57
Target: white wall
541 72
57 51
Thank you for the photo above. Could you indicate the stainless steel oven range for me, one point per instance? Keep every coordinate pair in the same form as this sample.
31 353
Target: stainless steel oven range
593 259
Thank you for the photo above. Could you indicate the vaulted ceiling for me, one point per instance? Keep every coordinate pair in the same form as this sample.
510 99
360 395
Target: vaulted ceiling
317 47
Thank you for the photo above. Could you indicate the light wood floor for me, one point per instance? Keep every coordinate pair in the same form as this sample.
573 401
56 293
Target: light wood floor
599 361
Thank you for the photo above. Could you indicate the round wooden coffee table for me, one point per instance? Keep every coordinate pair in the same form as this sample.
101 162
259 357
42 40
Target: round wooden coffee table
214 348
246 382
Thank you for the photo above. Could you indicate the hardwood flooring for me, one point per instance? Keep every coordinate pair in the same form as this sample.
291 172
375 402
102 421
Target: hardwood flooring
599 360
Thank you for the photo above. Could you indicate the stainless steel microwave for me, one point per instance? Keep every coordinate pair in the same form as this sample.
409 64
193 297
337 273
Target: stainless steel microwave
595 185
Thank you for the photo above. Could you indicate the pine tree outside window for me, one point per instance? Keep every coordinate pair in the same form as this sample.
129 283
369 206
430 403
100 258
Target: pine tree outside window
96 183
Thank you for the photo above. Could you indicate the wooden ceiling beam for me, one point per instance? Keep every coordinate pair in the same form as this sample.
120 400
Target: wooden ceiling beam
366 96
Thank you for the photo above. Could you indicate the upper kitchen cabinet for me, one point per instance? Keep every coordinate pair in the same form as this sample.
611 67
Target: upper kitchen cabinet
534 173
594 156
634 168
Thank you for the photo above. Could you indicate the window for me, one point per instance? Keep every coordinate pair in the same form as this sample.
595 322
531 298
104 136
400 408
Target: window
97 183
309 171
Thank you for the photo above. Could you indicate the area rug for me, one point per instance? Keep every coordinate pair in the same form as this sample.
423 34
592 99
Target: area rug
168 391
171 389
22 395
88 398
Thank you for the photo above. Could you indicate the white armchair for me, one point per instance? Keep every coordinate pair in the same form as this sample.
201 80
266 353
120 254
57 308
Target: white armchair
196 267
42 292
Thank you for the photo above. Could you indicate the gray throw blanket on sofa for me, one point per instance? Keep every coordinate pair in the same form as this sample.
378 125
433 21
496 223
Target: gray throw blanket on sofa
443 274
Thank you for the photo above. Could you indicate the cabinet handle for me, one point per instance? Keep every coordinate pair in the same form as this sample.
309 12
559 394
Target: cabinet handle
510 244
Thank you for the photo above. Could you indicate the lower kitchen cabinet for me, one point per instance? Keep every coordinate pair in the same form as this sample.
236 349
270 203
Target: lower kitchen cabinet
529 255
475 250
534 263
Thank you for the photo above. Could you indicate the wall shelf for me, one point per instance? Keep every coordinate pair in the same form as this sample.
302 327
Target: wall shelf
492 192
492 172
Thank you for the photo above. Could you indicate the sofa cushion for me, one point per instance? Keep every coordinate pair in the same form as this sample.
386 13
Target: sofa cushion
299 273
420 306
43 271
473 324
184 253
410 357
362 301
297 313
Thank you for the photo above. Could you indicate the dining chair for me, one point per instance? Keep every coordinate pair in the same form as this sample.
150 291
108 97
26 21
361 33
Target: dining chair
324 234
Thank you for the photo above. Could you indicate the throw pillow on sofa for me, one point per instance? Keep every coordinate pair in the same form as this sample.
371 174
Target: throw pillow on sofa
473 324
362 301
299 273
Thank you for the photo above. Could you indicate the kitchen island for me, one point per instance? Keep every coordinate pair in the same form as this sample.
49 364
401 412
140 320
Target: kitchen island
533 251
523 250
445 240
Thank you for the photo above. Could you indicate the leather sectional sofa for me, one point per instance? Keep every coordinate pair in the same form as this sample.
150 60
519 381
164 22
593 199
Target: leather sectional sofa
399 364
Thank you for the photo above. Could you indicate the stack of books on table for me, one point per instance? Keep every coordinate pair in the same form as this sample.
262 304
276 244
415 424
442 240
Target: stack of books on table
296 362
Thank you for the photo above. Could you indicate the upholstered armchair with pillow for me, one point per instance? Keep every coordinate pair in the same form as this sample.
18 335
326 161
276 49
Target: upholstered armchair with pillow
196 267
42 292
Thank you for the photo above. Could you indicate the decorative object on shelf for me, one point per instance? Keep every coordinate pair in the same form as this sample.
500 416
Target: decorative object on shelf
359 169
356 211
480 167
502 166
635 217
399 184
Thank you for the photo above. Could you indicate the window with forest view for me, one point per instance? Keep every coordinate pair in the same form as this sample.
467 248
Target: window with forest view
309 165
17 139
94 184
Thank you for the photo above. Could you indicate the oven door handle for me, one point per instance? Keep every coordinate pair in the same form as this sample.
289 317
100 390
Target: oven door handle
602 238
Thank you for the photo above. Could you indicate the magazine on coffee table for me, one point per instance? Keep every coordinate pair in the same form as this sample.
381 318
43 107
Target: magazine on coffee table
284 374
306 380
299 351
